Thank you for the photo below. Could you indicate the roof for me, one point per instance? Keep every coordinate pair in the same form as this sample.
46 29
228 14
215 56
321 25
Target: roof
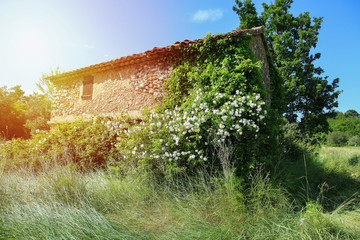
146 56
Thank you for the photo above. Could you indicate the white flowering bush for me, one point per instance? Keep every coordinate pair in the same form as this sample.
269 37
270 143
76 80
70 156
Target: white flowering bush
182 138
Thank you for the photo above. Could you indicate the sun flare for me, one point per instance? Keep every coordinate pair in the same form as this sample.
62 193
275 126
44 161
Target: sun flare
32 43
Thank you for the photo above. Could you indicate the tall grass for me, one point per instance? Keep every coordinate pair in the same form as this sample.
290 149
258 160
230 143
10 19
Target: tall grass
345 160
66 204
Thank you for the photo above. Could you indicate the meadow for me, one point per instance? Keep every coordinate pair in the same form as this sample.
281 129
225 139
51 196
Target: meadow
313 197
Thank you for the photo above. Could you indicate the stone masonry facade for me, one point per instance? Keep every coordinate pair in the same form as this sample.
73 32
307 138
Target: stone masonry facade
126 90
128 84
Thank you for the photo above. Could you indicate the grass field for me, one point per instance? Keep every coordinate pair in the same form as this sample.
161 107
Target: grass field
315 198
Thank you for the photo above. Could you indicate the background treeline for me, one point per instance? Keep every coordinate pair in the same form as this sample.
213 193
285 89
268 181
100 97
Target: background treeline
20 115
345 129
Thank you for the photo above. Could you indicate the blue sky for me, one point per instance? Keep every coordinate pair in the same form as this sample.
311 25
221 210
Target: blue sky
39 35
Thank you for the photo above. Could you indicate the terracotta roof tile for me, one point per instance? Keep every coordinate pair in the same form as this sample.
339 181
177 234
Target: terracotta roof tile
145 56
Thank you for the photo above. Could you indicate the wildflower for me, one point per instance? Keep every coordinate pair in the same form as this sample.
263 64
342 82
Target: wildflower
302 221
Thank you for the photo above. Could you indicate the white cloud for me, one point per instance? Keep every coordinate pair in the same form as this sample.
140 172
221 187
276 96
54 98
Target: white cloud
208 15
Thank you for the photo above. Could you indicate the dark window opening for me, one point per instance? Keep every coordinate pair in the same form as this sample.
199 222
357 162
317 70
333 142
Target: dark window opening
88 87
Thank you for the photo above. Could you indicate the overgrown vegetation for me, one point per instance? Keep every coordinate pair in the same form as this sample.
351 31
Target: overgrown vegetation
216 101
214 161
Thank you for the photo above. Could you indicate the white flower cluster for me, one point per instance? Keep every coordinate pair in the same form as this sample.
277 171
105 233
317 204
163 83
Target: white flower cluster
176 134
237 113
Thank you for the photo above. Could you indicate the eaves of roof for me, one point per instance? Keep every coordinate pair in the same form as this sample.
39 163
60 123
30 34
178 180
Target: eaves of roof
146 56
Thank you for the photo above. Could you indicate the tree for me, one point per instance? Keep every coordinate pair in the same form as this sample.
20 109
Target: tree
39 105
37 112
310 98
351 113
338 138
247 14
12 113
345 122
45 85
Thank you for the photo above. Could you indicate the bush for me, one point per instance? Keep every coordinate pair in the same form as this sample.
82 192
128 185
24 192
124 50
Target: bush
89 144
184 138
338 138
354 141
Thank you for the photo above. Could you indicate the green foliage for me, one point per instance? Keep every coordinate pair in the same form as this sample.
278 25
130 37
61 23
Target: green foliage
45 85
351 113
88 144
12 113
338 138
21 115
38 112
293 146
309 96
354 141
349 123
247 14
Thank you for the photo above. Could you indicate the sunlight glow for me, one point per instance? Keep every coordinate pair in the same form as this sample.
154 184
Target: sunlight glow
31 44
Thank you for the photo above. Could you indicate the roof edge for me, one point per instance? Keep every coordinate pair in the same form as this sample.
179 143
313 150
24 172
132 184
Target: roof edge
149 55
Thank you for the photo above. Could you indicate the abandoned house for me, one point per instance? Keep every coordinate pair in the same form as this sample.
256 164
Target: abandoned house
128 84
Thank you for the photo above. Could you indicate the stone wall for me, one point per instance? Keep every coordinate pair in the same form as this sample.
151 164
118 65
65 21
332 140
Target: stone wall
258 46
128 89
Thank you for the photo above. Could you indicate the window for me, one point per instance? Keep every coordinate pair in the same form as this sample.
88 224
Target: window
87 87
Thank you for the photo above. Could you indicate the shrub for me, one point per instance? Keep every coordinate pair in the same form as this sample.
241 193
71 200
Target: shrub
174 141
294 145
354 141
338 138
89 144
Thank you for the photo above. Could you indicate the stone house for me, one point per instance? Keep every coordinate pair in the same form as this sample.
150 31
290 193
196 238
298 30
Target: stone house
128 84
